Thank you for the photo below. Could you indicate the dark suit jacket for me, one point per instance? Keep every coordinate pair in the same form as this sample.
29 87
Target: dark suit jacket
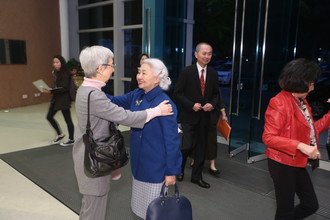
187 92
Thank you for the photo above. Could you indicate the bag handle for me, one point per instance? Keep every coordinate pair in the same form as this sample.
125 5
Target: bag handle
164 191
88 125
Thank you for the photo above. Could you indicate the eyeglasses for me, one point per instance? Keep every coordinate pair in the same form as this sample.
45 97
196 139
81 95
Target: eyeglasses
112 65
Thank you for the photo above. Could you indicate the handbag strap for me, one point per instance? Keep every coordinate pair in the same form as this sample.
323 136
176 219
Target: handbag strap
88 125
112 126
163 192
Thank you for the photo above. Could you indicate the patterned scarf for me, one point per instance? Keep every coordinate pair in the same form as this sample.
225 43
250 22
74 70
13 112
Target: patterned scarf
303 108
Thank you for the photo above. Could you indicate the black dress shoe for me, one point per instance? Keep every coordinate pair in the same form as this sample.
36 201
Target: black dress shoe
180 177
215 173
201 183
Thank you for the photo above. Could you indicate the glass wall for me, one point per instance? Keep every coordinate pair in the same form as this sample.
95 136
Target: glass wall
264 42
96 17
175 34
104 38
133 48
118 26
133 12
132 39
252 41
85 2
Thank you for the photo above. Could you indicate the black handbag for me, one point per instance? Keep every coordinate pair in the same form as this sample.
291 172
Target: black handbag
100 159
176 207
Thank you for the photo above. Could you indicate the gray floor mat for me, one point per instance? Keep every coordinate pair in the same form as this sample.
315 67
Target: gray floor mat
244 191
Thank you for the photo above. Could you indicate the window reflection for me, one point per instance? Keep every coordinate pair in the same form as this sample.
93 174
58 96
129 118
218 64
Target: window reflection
85 2
133 12
104 38
176 8
97 17
97 27
133 49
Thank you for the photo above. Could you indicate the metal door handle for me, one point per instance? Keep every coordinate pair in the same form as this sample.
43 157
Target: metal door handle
148 20
240 86
262 63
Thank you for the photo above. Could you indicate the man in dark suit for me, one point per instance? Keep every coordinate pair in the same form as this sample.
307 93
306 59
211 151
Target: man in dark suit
197 93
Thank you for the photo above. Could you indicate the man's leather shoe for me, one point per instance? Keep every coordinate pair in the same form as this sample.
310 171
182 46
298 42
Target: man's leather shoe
180 177
201 183
215 173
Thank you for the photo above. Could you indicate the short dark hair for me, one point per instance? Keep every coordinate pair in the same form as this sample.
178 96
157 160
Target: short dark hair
199 45
141 55
297 75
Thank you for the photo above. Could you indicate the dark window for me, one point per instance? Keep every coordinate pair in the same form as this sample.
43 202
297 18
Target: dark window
12 51
97 17
108 88
104 38
133 12
133 48
176 9
86 2
175 42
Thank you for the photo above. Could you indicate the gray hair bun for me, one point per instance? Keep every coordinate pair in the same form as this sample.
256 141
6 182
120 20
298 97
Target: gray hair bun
160 70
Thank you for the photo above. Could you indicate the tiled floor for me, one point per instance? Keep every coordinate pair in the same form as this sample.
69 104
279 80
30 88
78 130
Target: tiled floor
25 128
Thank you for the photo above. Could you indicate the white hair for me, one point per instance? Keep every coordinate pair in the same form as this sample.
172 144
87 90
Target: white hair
92 57
160 70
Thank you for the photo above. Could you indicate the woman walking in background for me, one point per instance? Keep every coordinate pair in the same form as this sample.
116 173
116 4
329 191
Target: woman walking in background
61 100
291 139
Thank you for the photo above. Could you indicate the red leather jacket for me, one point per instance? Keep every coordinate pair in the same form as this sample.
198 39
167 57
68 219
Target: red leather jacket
285 127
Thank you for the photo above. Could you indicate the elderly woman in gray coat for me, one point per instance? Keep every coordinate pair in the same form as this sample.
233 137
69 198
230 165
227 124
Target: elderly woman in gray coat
97 63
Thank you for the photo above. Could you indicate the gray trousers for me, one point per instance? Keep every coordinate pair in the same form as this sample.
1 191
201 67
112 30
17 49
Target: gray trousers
93 207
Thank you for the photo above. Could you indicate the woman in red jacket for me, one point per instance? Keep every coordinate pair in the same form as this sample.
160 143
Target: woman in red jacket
291 138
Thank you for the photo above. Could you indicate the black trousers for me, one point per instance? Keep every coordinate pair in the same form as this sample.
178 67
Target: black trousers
67 117
289 181
211 150
194 140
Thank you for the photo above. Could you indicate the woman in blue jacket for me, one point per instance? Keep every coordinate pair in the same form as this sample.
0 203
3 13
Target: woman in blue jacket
155 148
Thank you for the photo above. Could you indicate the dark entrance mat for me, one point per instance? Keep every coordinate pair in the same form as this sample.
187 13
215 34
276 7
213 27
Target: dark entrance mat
244 191
51 168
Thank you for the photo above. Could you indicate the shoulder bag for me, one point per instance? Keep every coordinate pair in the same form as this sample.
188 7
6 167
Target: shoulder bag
100 159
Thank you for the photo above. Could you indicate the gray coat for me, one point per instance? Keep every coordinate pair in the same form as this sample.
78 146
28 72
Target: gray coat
102 111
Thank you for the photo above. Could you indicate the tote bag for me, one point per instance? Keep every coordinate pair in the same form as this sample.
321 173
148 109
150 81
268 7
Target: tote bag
176 207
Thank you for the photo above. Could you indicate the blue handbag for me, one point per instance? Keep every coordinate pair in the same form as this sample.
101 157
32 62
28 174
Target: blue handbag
176 207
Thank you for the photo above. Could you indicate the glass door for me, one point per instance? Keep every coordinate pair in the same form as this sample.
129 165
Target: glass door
246 67
264 41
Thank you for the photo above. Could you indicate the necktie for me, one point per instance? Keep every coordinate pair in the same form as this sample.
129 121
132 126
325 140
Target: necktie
202 82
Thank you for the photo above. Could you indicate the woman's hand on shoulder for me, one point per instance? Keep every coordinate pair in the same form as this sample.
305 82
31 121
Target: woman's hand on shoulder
170 180
166 108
